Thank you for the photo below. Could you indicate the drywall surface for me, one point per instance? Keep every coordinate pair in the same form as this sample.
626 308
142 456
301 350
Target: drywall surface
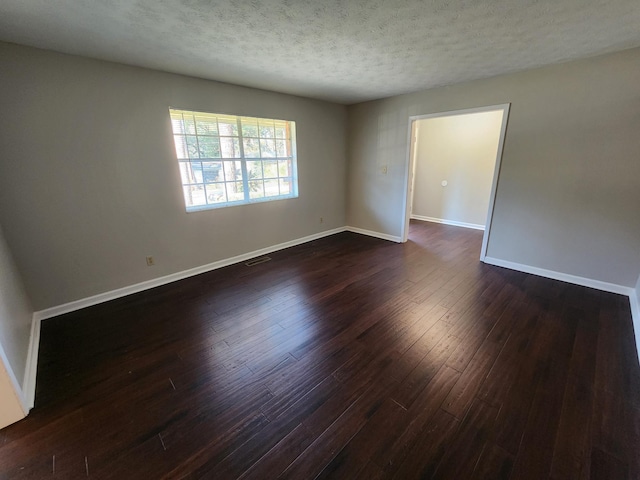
15 314
569 186
10 409
89 182
461 151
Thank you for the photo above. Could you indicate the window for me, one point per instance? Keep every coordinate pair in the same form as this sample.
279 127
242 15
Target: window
228 160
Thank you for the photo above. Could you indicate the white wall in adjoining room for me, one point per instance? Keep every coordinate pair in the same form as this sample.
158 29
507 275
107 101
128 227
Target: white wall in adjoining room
459 150
90 186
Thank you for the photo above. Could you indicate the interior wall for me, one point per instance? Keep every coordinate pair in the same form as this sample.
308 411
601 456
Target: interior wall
89 182
569 186
461 151
10 408
15 314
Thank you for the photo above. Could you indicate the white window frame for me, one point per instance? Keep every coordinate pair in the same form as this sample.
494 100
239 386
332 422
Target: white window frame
197 146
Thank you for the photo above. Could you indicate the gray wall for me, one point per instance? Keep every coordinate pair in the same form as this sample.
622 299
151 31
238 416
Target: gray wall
461 150
15 314
568 196
89 183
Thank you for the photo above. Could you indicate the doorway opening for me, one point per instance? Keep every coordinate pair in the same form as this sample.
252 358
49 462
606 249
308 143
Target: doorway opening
453 166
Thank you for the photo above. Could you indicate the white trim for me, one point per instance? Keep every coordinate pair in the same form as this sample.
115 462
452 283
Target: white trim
564 277
31 368
371 233
634 300
14 382
455 223
409 165
156 282
494 182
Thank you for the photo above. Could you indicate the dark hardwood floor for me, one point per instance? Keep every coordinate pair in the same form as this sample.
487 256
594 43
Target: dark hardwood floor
347 357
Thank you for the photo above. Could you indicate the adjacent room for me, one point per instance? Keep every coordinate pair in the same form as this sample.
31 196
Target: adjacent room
277 239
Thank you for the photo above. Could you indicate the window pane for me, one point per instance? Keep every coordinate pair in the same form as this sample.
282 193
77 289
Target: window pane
194 195
256 189
267 148
216 193
251 148
271 188
229 128
235 191
189 124
233 171
249 127
281 131
254 169
284 168
211 172
191 172
282 148
192 147
267 129
177 124
209 147
181 146
206 125
285 186
230 147
270 168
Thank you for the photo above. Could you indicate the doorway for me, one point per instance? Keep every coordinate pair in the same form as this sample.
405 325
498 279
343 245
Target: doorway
453 166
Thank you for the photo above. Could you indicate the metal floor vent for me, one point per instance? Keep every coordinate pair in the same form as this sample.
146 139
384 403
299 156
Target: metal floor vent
257 261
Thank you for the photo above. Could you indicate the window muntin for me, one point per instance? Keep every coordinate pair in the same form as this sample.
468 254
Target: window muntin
230 160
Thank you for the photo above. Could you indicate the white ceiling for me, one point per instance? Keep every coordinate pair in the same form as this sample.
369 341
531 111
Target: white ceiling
344 51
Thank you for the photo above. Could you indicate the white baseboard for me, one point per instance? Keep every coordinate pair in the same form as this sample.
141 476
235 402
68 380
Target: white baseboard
371 233
475 226
31 369
156 282
564 277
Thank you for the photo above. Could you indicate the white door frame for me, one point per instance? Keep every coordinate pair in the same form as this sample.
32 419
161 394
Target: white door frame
408 191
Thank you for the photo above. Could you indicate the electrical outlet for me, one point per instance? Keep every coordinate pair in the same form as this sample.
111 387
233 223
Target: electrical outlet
150 261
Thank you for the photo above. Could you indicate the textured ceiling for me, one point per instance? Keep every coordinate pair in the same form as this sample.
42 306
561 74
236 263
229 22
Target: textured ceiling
343 51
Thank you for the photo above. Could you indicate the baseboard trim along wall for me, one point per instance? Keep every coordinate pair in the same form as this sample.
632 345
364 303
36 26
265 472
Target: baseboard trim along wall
31 369
156 282
564 277
475 226
585 282
371 233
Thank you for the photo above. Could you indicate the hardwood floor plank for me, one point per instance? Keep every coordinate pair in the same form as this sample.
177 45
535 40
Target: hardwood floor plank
495 463
464 450
393 450
429 447
280 456
323 450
